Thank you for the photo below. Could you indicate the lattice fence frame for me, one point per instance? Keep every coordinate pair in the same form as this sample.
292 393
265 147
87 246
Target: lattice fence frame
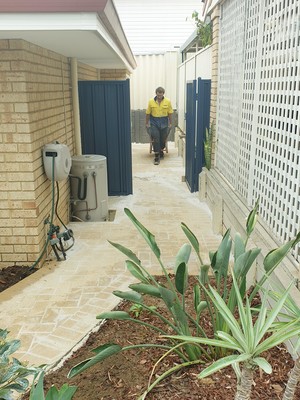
258 137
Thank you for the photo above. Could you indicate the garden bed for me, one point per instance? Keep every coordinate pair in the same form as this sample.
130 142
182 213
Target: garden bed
126 374
11 275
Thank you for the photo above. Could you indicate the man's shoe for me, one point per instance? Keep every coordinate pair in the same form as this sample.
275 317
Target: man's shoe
161 154
156 159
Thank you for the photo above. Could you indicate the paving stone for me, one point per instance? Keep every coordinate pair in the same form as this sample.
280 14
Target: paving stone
57 306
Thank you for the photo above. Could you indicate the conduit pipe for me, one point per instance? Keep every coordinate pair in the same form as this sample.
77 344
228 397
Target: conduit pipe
75 98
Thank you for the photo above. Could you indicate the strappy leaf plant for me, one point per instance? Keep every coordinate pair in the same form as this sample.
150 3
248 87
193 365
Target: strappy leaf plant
238 257
291 313
243 260
247 340
66 392
272 261
173 293
180 321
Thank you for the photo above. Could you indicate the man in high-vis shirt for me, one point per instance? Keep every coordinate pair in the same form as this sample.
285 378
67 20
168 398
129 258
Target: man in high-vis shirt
158 122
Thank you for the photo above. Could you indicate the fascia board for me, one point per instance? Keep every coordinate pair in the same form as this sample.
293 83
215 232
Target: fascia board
63 22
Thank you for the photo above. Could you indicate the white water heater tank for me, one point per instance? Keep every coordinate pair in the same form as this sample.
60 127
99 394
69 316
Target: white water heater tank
89 187
57 161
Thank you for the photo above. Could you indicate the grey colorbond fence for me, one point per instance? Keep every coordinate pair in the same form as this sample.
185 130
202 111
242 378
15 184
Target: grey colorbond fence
138 130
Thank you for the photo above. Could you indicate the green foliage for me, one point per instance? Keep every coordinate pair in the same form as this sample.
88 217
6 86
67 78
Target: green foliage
137 309
272 260
66 392
172 294
231 258
13 373
291 313
246 340
251 220
221 266
204 30
209 133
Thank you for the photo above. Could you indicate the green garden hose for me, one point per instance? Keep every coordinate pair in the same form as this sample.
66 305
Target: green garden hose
51 220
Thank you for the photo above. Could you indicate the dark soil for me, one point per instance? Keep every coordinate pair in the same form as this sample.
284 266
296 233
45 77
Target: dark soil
9 276
126 375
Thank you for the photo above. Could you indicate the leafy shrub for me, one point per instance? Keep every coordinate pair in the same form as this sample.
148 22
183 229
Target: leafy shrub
204 30
208 146
13 373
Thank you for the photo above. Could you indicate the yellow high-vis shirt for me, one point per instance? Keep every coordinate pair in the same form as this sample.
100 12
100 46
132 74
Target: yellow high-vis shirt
159 110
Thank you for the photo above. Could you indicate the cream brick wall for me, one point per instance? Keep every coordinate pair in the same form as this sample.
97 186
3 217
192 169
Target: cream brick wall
35 109
113 74
87 73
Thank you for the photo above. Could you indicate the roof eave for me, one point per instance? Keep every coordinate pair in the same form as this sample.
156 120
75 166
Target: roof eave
95 19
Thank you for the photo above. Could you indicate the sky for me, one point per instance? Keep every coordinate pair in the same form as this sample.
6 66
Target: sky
154 27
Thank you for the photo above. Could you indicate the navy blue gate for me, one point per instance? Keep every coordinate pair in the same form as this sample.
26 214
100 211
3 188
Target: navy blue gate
105 129
197 120
190 134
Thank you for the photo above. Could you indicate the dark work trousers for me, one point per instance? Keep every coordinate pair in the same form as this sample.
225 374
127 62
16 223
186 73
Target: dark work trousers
159 137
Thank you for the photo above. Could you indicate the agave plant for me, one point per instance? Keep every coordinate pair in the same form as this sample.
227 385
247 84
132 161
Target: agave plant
247 340
291 313
243 260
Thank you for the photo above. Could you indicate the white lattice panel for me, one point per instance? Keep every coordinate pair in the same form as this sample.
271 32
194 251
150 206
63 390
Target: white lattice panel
258 121
230 87
277 143
251 34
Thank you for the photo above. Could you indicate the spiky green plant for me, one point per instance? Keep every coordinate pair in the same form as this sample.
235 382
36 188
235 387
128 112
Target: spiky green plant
173 293
291 313
247 340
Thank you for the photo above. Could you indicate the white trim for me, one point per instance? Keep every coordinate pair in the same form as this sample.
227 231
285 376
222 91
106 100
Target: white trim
43 30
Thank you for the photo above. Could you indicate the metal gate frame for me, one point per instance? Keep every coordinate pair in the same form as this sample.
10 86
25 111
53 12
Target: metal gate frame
197 121
106 129
190 117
